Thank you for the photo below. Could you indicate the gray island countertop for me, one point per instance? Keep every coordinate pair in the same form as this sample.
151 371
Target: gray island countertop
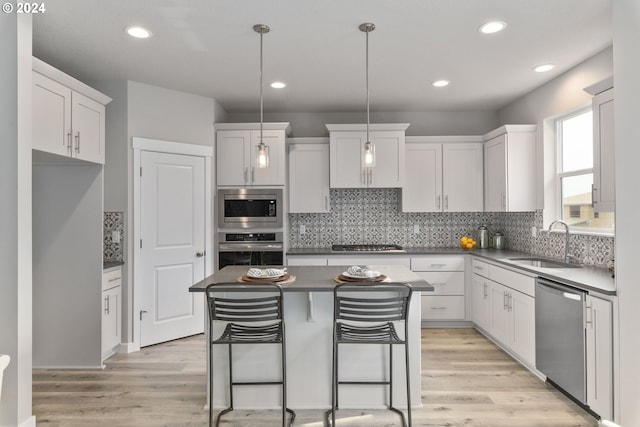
317 278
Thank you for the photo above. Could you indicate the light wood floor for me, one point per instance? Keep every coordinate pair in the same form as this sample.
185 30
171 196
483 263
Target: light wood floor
466 381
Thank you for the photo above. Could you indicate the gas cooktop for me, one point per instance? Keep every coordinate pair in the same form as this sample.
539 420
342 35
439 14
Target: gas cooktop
367 248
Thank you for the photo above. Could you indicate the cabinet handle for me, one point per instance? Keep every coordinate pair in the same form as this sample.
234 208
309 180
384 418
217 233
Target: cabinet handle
510 300
504 300
484 291
446 202
106 304
438 201
438 265
78 142
439 284
589 316
593 195
115 279
477 267
246 174
438 308
253 174
69 144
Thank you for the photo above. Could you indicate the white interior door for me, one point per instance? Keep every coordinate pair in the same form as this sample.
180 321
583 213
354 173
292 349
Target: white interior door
172 238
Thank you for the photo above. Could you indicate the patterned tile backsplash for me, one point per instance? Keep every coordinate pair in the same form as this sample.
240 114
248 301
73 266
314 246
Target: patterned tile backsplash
113 221
363 216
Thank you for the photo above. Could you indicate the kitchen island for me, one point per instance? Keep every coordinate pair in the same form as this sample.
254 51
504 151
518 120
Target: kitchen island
308 316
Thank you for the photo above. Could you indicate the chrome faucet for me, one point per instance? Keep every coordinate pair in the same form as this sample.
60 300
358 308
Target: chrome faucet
567 256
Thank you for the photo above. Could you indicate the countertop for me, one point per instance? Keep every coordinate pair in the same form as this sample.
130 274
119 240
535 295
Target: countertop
588 278
109 264
316 278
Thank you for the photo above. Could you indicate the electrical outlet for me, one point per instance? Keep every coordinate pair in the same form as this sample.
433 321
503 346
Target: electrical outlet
115 236
534 231
416 228
303 229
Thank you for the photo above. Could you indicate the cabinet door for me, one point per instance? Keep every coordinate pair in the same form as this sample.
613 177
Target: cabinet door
481 302
345 151
389 171
51 116
462 180
88 124
599 342
495 176
275 173
422 190
309 178
233 157
500 320
522 309
110 320
603 155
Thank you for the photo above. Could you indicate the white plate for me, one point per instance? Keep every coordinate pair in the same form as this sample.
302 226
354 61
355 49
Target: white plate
352 276
263 274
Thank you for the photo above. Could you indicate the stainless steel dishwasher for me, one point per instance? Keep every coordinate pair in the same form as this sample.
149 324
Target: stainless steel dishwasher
560 336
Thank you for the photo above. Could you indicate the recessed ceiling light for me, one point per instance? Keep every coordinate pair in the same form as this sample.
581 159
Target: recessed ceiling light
544 68
441 83
138 32
278 85
492 27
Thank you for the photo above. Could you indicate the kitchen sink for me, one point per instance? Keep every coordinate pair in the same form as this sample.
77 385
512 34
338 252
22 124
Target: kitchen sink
541 262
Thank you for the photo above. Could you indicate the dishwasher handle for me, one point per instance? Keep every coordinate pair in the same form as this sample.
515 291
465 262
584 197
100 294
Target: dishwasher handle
561 290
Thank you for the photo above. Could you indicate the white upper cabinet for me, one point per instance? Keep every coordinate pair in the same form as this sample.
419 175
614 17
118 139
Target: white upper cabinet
309 175
347 168
236 154
443 176
68 116
603 146
509 169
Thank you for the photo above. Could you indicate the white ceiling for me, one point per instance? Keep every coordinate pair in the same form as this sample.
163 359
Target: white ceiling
208 47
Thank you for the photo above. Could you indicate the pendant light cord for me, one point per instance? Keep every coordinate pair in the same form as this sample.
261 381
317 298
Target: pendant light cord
261 89
367 79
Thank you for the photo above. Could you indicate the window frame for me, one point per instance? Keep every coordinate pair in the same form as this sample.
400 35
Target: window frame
559 174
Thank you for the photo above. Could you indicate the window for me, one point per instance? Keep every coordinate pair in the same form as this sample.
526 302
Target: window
574 136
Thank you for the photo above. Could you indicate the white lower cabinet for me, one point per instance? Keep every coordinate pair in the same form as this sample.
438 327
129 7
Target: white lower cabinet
599 338
504 307
111 307
447 276
481 301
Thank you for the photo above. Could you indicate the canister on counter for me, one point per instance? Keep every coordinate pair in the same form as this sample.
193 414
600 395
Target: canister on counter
483 237
499 240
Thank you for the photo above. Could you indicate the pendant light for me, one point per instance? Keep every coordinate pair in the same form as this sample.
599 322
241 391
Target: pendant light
369 150
262 149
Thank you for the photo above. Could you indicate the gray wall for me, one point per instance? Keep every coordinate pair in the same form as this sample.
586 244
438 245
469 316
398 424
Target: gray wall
15 211
561 95
146 111
626 61
422 123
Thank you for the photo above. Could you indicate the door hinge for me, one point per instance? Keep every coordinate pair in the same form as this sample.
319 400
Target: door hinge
142 312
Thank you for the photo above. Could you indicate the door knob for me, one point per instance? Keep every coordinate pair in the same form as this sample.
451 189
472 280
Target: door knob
200 254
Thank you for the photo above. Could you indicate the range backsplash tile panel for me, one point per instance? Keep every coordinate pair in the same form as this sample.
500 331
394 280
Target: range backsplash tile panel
113 221
369 216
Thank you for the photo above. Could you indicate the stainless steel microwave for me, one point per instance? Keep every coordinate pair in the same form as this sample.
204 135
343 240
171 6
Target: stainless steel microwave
250 208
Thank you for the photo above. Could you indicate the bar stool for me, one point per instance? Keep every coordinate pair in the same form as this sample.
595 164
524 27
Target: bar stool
250 320
363 313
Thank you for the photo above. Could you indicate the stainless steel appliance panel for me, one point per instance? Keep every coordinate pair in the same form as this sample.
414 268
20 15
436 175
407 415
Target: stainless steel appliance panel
262 248
560 336
250 208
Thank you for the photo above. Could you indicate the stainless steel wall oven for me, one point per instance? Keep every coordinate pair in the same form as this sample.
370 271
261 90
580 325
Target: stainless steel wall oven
264 248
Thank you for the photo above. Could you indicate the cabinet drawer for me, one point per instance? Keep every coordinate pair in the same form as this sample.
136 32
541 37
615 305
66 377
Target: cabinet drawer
437 264
442 307
111 278
445 282
479 267
517 281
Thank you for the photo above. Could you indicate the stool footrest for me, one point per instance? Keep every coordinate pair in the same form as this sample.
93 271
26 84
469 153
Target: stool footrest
257 383
365 382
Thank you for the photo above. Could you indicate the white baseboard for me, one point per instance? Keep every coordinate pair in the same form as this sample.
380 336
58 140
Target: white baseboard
29 422
127 347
